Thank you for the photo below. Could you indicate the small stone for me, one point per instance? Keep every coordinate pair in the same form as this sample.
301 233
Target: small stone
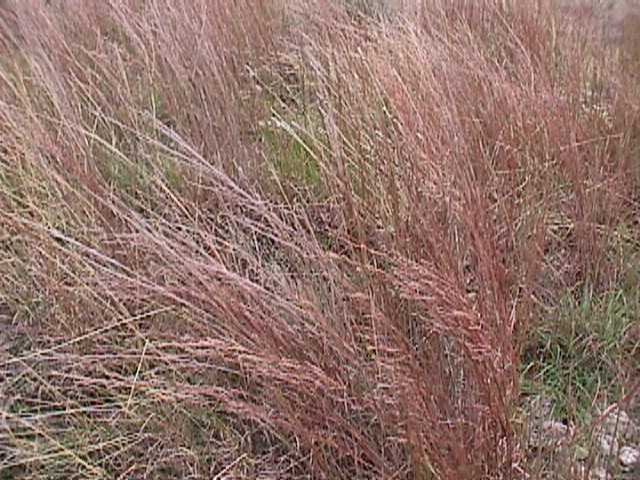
629 456
619 424
554 431
608 444
541 407
598 473
581 453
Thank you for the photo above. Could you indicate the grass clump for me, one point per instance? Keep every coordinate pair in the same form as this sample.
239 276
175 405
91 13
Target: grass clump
288 239
584 358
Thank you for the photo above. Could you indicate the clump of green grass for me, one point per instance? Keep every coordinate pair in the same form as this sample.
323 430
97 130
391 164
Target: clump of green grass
291 157
583 355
